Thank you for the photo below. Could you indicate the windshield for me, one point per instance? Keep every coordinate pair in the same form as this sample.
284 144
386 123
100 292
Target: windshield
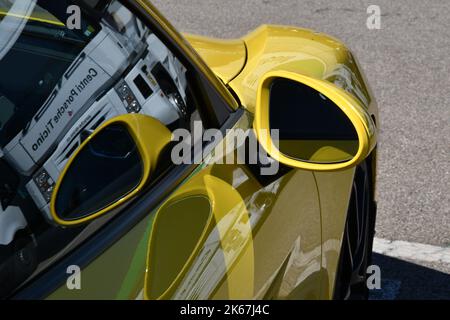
36 61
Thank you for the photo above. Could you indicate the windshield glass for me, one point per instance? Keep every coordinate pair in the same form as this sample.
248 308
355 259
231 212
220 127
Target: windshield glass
58 86
41 52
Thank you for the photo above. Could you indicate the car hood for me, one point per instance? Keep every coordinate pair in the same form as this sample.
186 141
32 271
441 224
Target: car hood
241 63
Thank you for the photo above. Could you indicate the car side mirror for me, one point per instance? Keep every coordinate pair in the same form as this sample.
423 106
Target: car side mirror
109 169
311 124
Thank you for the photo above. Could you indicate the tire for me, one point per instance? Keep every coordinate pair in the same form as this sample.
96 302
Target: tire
356 251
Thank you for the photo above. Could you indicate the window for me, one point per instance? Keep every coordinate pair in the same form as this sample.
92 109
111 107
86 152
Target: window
56 87
36 62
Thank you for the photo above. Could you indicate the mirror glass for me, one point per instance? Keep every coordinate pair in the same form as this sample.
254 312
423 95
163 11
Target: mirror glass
312 128
108 168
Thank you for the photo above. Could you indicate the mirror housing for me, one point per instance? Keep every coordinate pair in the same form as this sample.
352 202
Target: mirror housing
149 137
349 108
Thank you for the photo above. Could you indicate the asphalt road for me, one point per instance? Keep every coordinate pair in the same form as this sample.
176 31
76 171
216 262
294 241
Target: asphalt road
407 63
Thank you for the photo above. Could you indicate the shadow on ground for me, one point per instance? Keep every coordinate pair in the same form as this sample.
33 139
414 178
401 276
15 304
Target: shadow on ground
405 280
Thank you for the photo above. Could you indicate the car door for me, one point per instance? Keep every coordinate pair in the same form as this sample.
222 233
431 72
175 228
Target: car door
265 242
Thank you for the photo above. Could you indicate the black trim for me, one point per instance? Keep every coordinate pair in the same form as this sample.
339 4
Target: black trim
56 275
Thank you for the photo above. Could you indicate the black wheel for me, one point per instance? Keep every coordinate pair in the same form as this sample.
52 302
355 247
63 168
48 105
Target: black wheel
356 251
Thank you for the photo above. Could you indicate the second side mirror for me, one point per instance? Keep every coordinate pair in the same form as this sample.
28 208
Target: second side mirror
311 124
110 168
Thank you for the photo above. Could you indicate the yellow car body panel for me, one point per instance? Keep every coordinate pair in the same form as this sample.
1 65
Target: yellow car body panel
279 258
302 51
272 48
256 244
225 57
315 55
294 260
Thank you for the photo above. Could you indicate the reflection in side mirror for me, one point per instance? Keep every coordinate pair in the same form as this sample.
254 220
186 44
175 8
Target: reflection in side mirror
114 142
109 168
106 169
312 128
318 125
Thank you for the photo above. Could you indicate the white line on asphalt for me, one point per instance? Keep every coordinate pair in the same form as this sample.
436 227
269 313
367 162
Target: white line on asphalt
411 250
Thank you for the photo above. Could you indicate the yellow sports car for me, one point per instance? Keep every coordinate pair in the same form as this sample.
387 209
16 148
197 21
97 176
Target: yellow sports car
140 163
